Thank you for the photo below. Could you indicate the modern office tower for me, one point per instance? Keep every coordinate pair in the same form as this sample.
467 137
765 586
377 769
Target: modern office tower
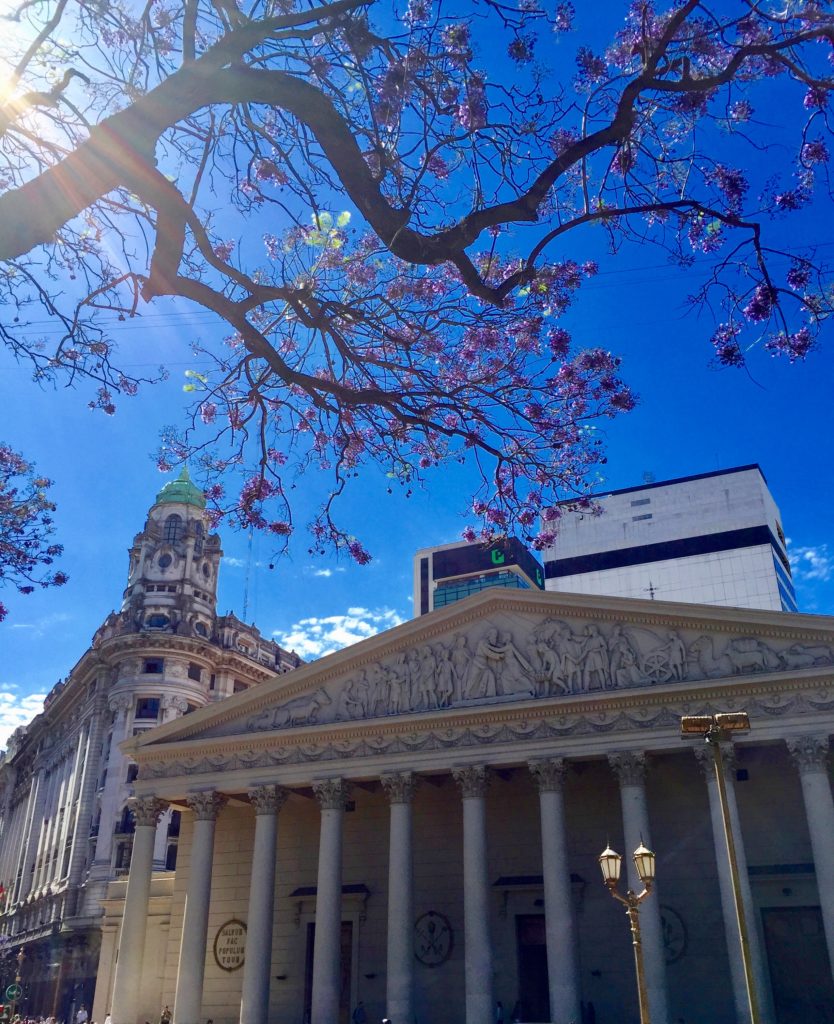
714 538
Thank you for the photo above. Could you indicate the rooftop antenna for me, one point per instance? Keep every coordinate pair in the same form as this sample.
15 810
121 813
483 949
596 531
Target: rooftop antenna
651 590
248 574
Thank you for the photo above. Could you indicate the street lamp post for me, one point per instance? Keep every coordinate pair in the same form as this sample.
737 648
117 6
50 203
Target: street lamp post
610 864
716 729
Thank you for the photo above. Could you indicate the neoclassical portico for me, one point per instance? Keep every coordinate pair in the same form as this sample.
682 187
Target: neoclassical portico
433 860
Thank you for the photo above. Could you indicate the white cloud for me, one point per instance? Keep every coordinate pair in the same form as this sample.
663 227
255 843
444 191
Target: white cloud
44 625
812 563
315 637
16 709
233 563
326 573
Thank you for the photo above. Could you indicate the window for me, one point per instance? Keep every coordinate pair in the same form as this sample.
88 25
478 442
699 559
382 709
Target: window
163 562
636 519
171 857
198 538
154 666
173 529
125 824
157 621
194 671
147 707
239 686
201 629
212 681
132 773
641 501
174 824
206 570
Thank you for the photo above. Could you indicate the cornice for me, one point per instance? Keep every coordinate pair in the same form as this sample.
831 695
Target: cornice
618 611
562 713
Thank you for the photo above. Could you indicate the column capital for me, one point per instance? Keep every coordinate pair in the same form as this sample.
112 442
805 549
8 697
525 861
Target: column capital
706 761
268 799
809 753
473 780
121 702
170 700
629 766
147 810
399 786
206 806
548 773
332 794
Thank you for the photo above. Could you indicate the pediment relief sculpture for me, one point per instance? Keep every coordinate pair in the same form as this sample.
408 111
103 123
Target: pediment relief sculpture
553 658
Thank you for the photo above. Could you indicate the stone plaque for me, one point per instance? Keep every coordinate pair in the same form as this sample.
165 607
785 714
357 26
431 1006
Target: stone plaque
433 939
230 945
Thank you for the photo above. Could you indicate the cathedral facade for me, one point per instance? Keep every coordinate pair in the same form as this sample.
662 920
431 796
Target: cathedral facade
66 830
414 824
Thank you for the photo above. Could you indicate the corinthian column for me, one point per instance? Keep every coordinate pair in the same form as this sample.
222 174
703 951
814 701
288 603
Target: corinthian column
630 769
125 1006
810 755
560 929
473 782
331 795
189 992
254 1003
399 788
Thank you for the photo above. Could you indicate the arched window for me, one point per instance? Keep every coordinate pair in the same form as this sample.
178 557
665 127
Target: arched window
173 529
198 538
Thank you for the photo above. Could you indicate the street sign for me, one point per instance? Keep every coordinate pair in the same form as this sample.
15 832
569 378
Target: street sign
14 991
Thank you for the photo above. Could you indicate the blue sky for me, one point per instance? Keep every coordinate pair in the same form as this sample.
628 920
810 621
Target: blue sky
692 418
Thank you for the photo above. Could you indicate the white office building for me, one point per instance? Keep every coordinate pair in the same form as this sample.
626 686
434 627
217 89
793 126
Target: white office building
714 538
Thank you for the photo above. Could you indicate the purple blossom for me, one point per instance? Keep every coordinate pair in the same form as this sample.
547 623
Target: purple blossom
520 49
725 343
592 69
436 165
471 114
358 553
795 346
418 12
223 250
563 16
816 98
814 152
798 276
731 183
760 305
208 412
740 111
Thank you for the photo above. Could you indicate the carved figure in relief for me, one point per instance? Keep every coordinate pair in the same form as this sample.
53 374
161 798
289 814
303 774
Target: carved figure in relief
302 711
595 668
676 650
748 654
461 660
804 656
622 659
495 666
412 664
570 649
445 677
426 679
397 686
549 669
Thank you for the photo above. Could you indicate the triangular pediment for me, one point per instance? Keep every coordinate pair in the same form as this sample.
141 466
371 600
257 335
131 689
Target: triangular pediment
508 647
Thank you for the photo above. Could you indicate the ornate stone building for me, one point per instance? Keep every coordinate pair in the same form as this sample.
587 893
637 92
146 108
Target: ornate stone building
414 822
65 827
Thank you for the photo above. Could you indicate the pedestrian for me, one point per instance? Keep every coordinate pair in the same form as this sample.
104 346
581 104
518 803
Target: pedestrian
165 1016
107 1018
359 1015
82 1016
499 1012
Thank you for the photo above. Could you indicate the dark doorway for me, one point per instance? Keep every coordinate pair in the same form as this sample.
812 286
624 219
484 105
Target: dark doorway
533 994
803 992
346 971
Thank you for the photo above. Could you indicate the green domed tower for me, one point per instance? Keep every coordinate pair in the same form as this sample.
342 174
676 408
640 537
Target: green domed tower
172 581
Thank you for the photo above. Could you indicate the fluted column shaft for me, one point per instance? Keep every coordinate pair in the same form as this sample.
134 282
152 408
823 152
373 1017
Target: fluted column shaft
560 927
810 754
191 970
131 950
331 794
254 1003
400 967
473 782
630 769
